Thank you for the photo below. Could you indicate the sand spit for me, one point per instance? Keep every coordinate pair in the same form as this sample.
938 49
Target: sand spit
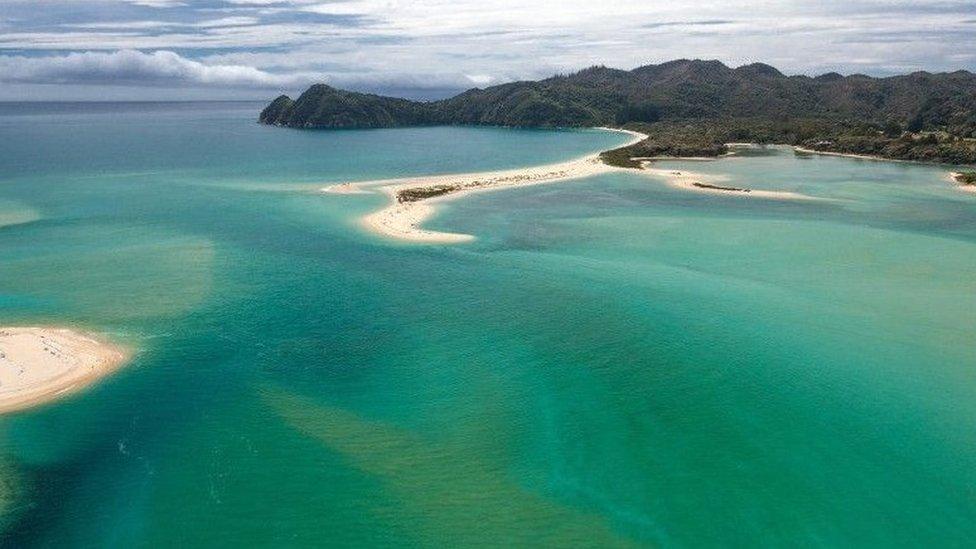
344 188
41 364
852 155
413 200
403 217
713 184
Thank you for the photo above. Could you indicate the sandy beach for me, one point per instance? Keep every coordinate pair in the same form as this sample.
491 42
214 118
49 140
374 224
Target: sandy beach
41 364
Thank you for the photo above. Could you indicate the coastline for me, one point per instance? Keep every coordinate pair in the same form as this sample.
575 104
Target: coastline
872 157
847 155
42 364
952 176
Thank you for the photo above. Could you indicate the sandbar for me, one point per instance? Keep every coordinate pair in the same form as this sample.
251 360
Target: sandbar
344 188
712 184
42 364
875 158
412 200
401 219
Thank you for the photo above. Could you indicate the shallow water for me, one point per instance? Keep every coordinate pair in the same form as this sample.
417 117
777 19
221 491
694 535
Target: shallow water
612 361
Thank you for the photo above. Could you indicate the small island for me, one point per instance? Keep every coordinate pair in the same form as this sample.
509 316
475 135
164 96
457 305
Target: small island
42 364
965 178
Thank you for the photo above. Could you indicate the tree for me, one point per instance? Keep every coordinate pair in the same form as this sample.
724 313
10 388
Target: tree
916 124
892 129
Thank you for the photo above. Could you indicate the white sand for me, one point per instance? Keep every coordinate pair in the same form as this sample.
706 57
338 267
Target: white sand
849 155
686 180
38 365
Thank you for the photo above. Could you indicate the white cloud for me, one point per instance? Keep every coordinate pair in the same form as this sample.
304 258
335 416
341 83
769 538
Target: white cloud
156 3
460 43
116 25
168 69
271 2
137 68
479 79
237 21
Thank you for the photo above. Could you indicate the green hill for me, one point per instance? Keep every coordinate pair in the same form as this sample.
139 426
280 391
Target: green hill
323 106
896 116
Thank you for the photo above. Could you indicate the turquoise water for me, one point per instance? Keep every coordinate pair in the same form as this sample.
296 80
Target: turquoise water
612 363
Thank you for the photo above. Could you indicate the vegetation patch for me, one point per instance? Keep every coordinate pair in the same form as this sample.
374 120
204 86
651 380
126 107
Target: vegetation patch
720 188
621 158
423 193
966 178
691 108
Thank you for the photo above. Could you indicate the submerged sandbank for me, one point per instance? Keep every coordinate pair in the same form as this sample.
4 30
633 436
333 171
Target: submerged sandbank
41 364
345 188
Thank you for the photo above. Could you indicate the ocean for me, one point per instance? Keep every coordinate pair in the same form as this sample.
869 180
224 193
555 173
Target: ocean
612 362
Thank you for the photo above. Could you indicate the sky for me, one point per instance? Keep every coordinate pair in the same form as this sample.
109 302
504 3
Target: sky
257 49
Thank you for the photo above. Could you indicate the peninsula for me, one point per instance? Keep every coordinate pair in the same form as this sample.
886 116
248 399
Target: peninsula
41 364
680 109
691 108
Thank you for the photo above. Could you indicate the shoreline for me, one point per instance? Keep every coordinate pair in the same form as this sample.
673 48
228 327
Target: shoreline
951 176
872 157
846 155
39 365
